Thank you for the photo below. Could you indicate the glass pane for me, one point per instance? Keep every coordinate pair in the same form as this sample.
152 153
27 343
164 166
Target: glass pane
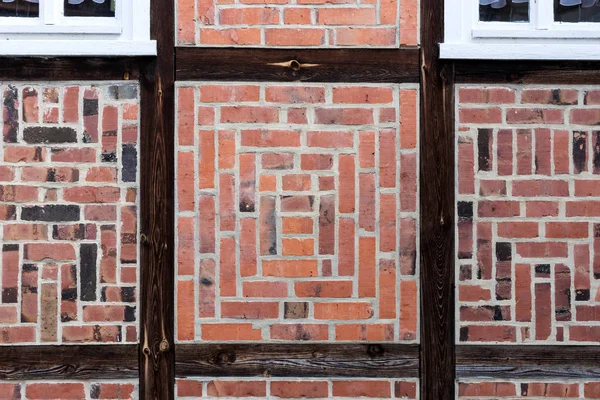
577 10
90 8
19 8
504 10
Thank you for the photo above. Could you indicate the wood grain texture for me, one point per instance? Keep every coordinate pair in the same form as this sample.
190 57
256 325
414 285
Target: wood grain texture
298 360
436 210
336 65
68 362
71 69
542 72
157 356
516 362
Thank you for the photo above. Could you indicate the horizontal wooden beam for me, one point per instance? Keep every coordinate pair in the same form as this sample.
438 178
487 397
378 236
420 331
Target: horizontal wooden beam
69 362
71 68
337 65
542 72
298 360
506 362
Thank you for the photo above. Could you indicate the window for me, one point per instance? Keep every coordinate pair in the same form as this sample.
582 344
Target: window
522 29
75 27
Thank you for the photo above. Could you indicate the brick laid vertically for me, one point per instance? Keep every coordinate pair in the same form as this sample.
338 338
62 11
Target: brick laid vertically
528 214
68 213
297 212
298 23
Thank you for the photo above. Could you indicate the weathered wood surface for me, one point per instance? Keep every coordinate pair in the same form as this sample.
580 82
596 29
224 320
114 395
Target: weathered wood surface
543 72
157 225
298 360
68 362
323 65
513 361
436 209
71 69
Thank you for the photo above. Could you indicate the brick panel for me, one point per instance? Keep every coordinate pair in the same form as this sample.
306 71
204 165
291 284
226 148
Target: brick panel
528 251
305 388
68 212
297 212
301 23
530 389
69 390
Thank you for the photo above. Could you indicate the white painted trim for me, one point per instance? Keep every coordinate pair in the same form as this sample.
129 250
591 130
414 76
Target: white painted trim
82 47
465 37
521 51
53 34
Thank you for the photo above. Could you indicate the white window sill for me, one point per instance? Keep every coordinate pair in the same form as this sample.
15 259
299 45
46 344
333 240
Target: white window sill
520 51
49 48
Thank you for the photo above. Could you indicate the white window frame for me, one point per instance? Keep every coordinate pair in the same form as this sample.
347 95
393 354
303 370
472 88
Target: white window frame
54 34
465 37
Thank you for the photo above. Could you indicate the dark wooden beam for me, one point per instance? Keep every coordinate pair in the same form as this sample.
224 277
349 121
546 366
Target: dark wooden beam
298 360
543 72
323 65
436 209
510 362
157 348
69 362
72 69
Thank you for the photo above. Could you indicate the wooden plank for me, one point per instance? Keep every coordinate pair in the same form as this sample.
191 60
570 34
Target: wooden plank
157 355
436 210
298 360
306 65
524 362
543 72
68 362
71 69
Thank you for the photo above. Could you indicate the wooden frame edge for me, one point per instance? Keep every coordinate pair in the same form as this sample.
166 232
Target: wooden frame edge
437 203
71 68
157 222
115 361
381 360
526 361
305 65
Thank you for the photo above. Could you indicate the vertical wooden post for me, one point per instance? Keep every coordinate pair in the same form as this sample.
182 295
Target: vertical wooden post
436 209
157 225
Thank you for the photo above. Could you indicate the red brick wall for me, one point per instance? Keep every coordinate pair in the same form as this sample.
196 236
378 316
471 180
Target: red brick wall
302 23
528 253
68 212
296 388
314 189
69 390
530 389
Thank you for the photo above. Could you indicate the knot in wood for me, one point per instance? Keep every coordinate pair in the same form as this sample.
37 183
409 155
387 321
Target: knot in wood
146 350
225 358
164 345
295 65
375 350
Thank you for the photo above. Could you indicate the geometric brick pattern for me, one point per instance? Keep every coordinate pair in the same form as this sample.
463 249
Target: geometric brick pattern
529 389
297 212
306 388
297 23
528 253
69 390
68 211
